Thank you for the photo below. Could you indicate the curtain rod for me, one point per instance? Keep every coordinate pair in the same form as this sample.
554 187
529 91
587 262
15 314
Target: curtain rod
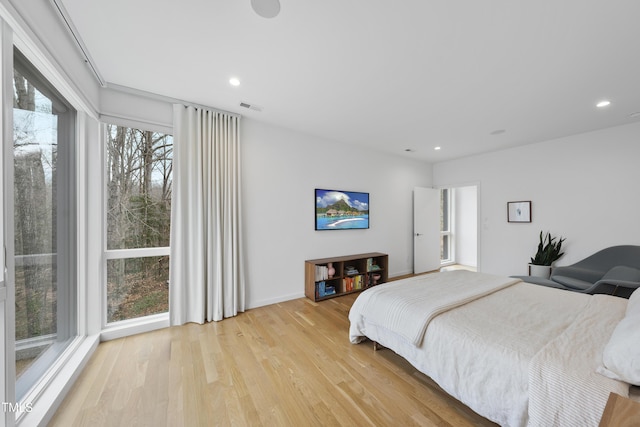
76 37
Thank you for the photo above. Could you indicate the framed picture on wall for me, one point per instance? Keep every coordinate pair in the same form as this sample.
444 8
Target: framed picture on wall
519 211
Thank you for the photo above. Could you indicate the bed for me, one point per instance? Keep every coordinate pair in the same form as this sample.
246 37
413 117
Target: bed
516 353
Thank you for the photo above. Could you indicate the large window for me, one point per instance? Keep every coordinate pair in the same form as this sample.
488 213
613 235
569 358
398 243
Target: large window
44 223
138 170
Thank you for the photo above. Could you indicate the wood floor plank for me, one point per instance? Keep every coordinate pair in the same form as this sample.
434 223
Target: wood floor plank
288 364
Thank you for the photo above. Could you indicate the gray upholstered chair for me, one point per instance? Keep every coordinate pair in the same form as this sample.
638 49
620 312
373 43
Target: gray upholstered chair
613 271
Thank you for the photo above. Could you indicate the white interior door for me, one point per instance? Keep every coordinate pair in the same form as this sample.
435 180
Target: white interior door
426 229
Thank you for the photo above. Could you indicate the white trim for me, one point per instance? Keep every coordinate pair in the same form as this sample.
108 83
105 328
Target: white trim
92 295
8 309
57 382
270 301
81 225
136 253
5 418
138 325
103 225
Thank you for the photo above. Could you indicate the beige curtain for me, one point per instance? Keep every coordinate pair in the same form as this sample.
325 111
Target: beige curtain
206 265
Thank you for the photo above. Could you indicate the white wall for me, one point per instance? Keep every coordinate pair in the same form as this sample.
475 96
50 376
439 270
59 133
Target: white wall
582 187
123 108
281 169
466 225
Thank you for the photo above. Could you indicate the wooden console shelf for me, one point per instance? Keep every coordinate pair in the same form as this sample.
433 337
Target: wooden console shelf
351 273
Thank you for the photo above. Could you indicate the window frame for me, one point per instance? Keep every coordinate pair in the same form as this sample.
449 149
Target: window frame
122 328
66 227
45 395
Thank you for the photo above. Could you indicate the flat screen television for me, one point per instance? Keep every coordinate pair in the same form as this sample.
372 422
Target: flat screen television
341 210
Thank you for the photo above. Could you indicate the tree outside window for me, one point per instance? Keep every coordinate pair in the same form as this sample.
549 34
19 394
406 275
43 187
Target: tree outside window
139 172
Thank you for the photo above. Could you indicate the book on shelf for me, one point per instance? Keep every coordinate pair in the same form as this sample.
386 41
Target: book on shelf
329 290
320 289
350 270
322 272
357 282
348 284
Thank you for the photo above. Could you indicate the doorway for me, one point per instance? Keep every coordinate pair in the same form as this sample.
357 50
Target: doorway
459 226
445 228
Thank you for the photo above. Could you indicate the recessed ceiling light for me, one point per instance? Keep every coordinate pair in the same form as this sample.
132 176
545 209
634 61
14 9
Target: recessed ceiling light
603 103
234 81
437 148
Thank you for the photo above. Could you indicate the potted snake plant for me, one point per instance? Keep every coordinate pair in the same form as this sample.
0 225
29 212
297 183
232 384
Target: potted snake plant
549 250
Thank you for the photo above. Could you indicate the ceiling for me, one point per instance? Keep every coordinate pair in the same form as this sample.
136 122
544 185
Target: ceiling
469 76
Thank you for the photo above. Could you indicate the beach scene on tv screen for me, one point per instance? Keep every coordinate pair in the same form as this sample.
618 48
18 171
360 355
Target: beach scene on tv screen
339 210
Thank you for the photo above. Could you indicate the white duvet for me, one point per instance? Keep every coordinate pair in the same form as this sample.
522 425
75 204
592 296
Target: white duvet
525 354
408 309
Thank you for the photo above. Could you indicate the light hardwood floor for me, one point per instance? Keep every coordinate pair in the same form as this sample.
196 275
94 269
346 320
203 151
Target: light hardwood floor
288 364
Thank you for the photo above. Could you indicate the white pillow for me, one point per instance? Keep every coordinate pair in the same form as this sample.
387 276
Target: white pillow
633 306
621 356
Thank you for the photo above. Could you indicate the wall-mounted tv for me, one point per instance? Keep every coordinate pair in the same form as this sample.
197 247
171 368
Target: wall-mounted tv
341 210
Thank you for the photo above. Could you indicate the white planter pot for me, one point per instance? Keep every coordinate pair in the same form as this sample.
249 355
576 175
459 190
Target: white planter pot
543 271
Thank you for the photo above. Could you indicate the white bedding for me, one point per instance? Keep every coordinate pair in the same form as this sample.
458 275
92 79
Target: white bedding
481 352
408 309
565 388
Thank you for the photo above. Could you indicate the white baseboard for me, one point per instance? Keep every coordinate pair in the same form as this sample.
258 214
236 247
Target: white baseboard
269 301
135 326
